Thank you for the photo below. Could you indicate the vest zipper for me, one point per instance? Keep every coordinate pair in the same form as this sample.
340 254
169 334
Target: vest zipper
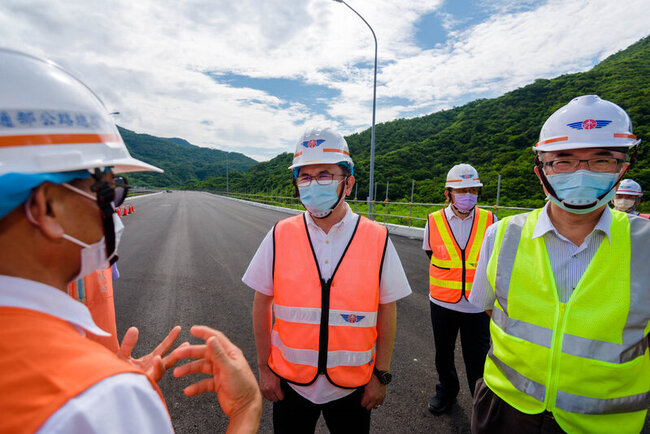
462 256
556 351
324 325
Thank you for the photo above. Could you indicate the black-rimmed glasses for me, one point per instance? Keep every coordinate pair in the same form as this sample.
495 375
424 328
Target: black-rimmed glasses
600 164
321 179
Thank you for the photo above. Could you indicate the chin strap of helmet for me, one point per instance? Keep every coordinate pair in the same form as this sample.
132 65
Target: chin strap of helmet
105 196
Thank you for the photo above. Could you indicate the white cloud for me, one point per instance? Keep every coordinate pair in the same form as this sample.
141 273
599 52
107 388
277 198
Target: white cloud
148 59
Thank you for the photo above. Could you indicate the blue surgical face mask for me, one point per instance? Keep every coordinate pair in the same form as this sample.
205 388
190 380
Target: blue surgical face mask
581 188
318 199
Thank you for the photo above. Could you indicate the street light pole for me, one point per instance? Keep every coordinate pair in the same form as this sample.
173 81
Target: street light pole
371 196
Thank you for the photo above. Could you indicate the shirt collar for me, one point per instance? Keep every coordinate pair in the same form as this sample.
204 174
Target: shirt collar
449 212
545 225
27 294
347 218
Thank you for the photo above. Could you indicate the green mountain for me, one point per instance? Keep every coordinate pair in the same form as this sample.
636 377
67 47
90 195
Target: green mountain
182 162
494 135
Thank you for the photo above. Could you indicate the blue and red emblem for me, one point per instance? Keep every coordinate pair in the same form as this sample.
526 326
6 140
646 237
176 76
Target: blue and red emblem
467 176
589 124
352 318
312 143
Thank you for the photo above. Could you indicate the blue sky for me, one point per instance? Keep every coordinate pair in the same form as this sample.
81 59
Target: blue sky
250 76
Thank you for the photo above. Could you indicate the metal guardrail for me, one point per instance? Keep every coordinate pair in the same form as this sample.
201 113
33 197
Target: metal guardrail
358 205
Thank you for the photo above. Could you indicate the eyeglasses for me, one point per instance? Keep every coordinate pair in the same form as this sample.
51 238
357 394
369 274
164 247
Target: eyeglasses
321 179
600 164
105 192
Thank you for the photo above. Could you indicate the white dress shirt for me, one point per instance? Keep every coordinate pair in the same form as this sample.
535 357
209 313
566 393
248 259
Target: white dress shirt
118 404
461 228
568 261
328 248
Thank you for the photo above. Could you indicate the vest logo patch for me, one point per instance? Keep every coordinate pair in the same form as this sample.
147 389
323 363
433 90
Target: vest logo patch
352 318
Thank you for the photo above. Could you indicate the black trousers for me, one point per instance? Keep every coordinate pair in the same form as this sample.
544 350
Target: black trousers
295 414
492 415
474 339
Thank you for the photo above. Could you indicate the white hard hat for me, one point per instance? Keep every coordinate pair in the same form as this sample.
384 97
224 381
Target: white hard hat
587 122
463 176
52 122
321 146
629 186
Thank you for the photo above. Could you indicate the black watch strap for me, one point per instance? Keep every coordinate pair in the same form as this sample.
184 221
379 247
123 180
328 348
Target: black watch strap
384 377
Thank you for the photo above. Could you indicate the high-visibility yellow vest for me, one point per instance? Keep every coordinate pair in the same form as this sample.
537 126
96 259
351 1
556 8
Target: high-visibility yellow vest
587 360
451 271
325 327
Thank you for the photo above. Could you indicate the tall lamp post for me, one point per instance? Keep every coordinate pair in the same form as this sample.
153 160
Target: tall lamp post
371 181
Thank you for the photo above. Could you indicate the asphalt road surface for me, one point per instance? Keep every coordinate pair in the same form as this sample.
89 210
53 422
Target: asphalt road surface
182 257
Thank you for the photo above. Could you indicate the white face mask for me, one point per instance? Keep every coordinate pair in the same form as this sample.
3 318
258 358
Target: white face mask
93 256
624 205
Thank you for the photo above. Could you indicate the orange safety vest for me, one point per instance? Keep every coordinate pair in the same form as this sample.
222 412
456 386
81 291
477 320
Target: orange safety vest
451 271
44 362
325 327
96 292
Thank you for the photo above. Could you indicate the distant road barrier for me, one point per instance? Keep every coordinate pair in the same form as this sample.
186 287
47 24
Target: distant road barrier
401 213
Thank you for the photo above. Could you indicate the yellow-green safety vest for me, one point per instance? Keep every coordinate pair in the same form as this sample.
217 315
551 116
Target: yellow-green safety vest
587 360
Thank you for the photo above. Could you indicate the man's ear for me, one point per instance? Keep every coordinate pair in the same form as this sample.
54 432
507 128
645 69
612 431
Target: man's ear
447 195
349 183
537 169
46 208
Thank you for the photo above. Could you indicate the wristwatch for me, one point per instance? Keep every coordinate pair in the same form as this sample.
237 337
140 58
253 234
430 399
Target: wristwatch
384 377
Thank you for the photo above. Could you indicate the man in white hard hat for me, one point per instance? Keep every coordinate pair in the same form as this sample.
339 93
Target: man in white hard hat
452 240
324 313
58 152
628 197
567 287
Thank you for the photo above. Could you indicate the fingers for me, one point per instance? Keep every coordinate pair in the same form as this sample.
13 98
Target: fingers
187 351
203 332
157 368
270 385
167 343
128 343
199 387
170 360
198 366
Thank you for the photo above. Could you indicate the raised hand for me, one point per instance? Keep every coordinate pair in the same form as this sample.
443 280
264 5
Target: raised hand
231 378
153 364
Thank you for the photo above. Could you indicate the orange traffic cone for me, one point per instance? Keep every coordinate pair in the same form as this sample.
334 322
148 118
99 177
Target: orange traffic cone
132 209
117 210
125 211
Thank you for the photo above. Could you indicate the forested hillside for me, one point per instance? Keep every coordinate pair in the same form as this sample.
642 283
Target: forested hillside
182 162
494 135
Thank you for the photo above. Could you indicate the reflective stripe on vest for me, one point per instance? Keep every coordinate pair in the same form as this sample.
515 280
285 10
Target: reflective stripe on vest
337 340
586 357
451 270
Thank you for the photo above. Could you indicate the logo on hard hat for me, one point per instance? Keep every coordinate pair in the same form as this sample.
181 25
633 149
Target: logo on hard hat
467 176
352 318
312 143
589 124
